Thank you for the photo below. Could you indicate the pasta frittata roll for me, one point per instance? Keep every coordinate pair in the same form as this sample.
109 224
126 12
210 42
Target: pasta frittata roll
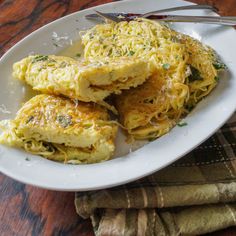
185 72
61 130
86 81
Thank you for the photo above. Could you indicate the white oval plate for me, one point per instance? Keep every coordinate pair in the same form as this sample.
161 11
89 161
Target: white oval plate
209 115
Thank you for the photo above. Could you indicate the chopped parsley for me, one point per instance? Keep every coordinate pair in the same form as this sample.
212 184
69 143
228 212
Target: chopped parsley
195 74
91 36
49 147
78 54
189 107
176 57
111 73
56 45
219 65
217 78
27 159
29 119
110 52
182 124
40 58
64 120
152 139
174 39
87 126
131 53
166 66
63 64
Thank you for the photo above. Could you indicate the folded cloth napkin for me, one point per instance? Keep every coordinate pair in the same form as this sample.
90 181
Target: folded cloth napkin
195 195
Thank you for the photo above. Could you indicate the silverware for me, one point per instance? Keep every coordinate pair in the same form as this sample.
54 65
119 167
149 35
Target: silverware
189 7
219 20
129 16
118 17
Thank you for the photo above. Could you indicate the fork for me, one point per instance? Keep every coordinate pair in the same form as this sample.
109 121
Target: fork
118 17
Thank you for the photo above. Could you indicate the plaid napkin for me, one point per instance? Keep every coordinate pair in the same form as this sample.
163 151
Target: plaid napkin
195 195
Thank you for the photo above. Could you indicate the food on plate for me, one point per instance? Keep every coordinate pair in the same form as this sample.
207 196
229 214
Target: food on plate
62 130
157 76
86 80
185 72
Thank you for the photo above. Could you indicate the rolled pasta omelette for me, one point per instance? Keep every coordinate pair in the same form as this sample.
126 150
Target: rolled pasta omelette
61 130
152 109
185 72
86 81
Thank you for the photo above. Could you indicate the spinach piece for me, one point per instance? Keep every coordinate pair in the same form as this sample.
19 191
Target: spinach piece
195 75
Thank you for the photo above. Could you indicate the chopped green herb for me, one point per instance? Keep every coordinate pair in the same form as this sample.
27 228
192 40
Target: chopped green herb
219 65
110 52
27 159
152 139
39 58
49 147
51 60
30 119
195 74
56 45
78 54
91 36
166 66
87 126
111 73
189 107
217 78
50 63
63 64
174 39
131 53
64 120
148 100
182 124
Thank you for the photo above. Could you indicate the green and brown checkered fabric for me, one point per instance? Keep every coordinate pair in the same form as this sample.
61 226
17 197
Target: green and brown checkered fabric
195 195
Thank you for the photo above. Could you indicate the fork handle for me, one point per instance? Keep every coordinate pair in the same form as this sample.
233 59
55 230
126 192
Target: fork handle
189 7
220 20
